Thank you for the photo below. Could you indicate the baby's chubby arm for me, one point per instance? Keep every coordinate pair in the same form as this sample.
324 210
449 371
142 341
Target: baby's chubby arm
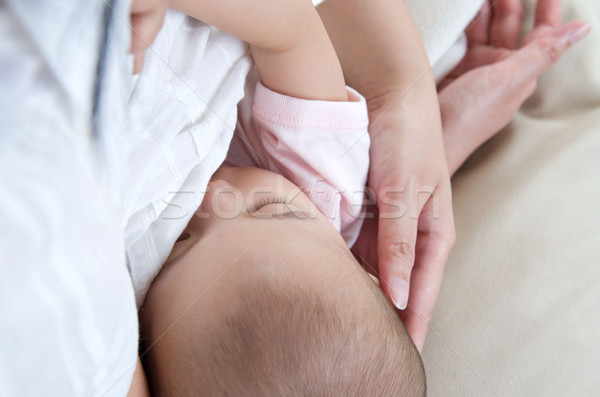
289 44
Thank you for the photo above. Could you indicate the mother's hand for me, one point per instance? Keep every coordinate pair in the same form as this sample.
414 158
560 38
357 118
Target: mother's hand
496 76
413 231
383 58
477 100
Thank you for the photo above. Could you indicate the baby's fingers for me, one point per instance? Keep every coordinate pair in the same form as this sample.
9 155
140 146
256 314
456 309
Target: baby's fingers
138 61
146 20
144 28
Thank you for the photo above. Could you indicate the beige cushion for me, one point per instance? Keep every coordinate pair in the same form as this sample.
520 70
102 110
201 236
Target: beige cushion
519 310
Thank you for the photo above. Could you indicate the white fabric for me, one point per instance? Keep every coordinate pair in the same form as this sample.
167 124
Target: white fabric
180 121
441 25
69 321
179 127
75 185
175 108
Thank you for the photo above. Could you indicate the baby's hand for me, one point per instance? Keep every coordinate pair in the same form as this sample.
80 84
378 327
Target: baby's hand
147 17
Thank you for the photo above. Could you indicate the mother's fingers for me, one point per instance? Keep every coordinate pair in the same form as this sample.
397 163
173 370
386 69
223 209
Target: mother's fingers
425 287
507 22
478 31
396 252
434 242
548 13
528 63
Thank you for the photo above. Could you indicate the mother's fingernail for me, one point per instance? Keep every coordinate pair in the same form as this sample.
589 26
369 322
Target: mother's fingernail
579 33
399 293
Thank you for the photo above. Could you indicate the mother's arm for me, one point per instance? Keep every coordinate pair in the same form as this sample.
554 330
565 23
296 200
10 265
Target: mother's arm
479 98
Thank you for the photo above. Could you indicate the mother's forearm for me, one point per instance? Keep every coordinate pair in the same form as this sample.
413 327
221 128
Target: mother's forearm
379 47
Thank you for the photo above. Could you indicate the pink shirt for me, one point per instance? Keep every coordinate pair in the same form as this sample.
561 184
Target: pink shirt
321 146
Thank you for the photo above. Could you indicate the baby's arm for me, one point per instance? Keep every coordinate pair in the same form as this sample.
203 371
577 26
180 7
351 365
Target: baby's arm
305 133
289 44
321 146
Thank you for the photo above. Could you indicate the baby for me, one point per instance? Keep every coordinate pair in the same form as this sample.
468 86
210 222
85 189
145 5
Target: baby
297 117
261 297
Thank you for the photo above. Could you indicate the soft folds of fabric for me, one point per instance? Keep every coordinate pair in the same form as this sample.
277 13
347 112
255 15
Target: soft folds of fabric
180 121
69 320
321 146
441 25
181 118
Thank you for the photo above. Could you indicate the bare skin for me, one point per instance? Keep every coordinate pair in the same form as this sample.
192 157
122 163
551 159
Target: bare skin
288 41
498 74
146 19
494 60
477 100
139 384
381 61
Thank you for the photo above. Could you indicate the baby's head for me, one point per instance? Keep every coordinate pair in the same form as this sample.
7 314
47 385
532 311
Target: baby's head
270 303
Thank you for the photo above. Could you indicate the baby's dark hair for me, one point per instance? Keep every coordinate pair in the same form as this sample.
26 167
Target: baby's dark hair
288 338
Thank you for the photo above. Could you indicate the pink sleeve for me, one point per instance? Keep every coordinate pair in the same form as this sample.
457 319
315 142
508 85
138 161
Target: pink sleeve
321 146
